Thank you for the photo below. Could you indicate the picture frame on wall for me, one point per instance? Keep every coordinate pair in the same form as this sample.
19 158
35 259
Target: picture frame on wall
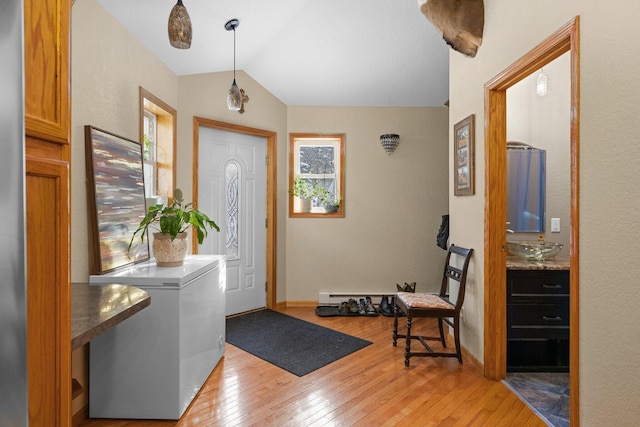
464 155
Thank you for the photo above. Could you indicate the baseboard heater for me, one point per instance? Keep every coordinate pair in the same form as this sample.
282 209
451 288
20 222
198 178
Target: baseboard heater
335 298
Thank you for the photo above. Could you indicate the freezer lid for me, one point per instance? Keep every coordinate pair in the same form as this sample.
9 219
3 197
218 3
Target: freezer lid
148 274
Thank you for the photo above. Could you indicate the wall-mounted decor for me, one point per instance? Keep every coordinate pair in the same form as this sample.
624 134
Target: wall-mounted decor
389 142
115 199
463 153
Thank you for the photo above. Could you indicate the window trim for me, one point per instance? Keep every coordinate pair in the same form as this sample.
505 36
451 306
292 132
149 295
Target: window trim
166 137
293 141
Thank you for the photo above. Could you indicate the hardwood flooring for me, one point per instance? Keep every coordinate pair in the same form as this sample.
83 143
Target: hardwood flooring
370 387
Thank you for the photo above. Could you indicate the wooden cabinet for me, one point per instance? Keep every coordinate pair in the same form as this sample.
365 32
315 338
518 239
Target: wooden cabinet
538 320
46 62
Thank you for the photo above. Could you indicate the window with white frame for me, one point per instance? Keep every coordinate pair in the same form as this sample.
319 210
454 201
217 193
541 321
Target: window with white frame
316 173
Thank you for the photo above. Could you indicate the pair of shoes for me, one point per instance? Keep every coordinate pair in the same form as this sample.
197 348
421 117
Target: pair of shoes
386 307
408 287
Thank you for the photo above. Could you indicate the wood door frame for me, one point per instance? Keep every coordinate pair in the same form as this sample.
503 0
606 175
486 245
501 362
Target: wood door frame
272 138
566 39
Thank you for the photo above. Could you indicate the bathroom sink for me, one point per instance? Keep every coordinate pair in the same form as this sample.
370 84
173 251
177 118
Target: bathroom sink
534 250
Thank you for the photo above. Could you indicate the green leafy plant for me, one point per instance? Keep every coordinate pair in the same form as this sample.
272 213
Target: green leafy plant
175 218
331 200
302 188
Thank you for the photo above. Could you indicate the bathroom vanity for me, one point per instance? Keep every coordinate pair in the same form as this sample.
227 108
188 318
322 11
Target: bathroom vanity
537 315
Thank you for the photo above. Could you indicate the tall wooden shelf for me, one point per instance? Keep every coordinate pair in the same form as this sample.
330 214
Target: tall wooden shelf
47 132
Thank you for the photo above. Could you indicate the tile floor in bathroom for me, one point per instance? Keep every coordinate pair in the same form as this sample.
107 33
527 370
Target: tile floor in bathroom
546 393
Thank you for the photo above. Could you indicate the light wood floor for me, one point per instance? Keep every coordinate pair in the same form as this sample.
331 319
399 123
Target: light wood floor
370 387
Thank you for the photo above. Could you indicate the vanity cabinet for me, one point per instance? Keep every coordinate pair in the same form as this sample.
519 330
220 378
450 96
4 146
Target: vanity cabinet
538 320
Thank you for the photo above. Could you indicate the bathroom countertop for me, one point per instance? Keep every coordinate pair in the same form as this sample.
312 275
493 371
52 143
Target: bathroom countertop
95 309
556 263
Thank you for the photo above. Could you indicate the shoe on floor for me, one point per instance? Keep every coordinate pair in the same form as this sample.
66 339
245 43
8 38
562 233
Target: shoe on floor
385 308
369 308
353 306
344 307
362 307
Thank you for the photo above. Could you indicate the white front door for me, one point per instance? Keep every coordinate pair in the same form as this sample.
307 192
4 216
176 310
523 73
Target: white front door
232 190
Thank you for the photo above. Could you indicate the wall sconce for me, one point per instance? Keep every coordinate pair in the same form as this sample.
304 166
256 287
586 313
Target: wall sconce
541 83
389 142
179 27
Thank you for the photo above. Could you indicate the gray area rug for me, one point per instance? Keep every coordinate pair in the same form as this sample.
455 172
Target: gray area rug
292 344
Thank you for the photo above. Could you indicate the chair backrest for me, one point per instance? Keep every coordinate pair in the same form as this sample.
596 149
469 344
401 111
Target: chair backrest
457 274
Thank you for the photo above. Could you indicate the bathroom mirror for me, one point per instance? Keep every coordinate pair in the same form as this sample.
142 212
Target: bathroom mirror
526 180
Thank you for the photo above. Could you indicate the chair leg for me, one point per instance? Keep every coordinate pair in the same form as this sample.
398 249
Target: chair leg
395 325
456 336
407 348
441 328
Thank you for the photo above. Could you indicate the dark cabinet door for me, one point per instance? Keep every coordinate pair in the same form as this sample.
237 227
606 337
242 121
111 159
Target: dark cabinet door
538 320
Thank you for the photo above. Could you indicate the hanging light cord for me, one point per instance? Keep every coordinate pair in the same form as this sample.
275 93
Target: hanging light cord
234 54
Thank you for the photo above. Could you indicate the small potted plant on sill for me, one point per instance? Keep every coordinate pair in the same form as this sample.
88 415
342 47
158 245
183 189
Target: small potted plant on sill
172 223
303 190
332 203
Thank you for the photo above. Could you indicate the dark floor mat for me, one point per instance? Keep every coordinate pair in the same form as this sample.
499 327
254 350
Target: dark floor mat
292 344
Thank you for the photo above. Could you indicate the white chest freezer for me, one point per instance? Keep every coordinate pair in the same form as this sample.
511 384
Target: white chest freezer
153 364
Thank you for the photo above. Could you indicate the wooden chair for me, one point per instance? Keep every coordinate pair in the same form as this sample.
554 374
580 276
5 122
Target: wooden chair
434 305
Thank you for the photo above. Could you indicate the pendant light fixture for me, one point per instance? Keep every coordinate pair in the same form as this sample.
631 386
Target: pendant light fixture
179 27
541 83
234 100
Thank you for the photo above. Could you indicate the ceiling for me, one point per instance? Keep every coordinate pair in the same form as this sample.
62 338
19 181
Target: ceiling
306 52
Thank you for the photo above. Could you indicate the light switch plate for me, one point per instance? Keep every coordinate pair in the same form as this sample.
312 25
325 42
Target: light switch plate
555 225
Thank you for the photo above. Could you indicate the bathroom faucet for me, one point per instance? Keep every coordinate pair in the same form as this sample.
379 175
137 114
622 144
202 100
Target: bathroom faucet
510 231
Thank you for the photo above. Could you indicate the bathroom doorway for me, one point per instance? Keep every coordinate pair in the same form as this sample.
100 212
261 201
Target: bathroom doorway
564 40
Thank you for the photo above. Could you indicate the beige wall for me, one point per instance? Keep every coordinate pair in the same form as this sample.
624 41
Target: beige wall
393 204
108 65
609 154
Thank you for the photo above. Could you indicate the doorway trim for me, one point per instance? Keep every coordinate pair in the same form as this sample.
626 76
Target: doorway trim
271 138
566 39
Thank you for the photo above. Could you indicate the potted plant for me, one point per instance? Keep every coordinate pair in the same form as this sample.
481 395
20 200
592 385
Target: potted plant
332 203
304 191
172 223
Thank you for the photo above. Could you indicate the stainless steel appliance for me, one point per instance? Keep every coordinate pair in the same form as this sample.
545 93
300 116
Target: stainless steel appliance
13 312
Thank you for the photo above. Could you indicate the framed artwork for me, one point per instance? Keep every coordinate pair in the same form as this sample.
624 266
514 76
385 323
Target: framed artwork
463 153
115 199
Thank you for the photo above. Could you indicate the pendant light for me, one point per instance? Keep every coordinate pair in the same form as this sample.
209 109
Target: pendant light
541 83
179 27
234 100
